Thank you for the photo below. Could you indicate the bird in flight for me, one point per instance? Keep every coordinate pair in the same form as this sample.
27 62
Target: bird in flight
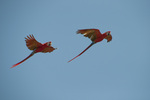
95 36
36 46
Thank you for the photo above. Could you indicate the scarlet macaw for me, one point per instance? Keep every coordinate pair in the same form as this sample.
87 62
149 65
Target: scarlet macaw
36 46
95 36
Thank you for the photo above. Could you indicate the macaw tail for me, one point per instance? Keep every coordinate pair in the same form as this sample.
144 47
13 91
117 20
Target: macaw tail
82 52
23 60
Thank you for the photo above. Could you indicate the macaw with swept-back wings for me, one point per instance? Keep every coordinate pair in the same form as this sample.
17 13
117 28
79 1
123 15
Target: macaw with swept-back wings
95 36
36 46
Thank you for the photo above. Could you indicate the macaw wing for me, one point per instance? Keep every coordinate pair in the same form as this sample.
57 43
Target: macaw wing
90 33
48 49
31 42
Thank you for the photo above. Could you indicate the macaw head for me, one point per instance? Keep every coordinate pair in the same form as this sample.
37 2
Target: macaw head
49 43
108 37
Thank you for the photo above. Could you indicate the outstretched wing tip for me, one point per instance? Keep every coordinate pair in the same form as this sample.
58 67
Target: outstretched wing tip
31 42
92 34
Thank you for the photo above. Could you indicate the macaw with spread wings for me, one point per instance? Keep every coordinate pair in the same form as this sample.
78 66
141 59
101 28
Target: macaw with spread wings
95 35
36 46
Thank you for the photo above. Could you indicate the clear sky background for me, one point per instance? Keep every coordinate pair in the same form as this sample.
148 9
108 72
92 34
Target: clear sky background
118 70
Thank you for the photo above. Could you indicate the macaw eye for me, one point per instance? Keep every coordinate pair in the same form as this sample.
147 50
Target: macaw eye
49 44
108 33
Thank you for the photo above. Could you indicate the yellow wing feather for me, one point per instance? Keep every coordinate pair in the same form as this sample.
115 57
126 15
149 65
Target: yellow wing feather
31 42
90 33
48 49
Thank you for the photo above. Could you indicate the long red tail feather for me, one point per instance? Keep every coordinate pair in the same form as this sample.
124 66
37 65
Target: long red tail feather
23 60
82 52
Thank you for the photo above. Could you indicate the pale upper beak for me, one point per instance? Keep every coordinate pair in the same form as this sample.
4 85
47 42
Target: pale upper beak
109 38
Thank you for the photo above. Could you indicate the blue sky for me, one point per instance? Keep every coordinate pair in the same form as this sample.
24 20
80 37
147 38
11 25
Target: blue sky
118 70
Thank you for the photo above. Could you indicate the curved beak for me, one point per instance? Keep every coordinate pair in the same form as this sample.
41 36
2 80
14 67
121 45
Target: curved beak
109 38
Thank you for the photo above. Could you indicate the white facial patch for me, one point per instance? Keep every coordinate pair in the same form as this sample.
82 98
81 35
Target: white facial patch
49 44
